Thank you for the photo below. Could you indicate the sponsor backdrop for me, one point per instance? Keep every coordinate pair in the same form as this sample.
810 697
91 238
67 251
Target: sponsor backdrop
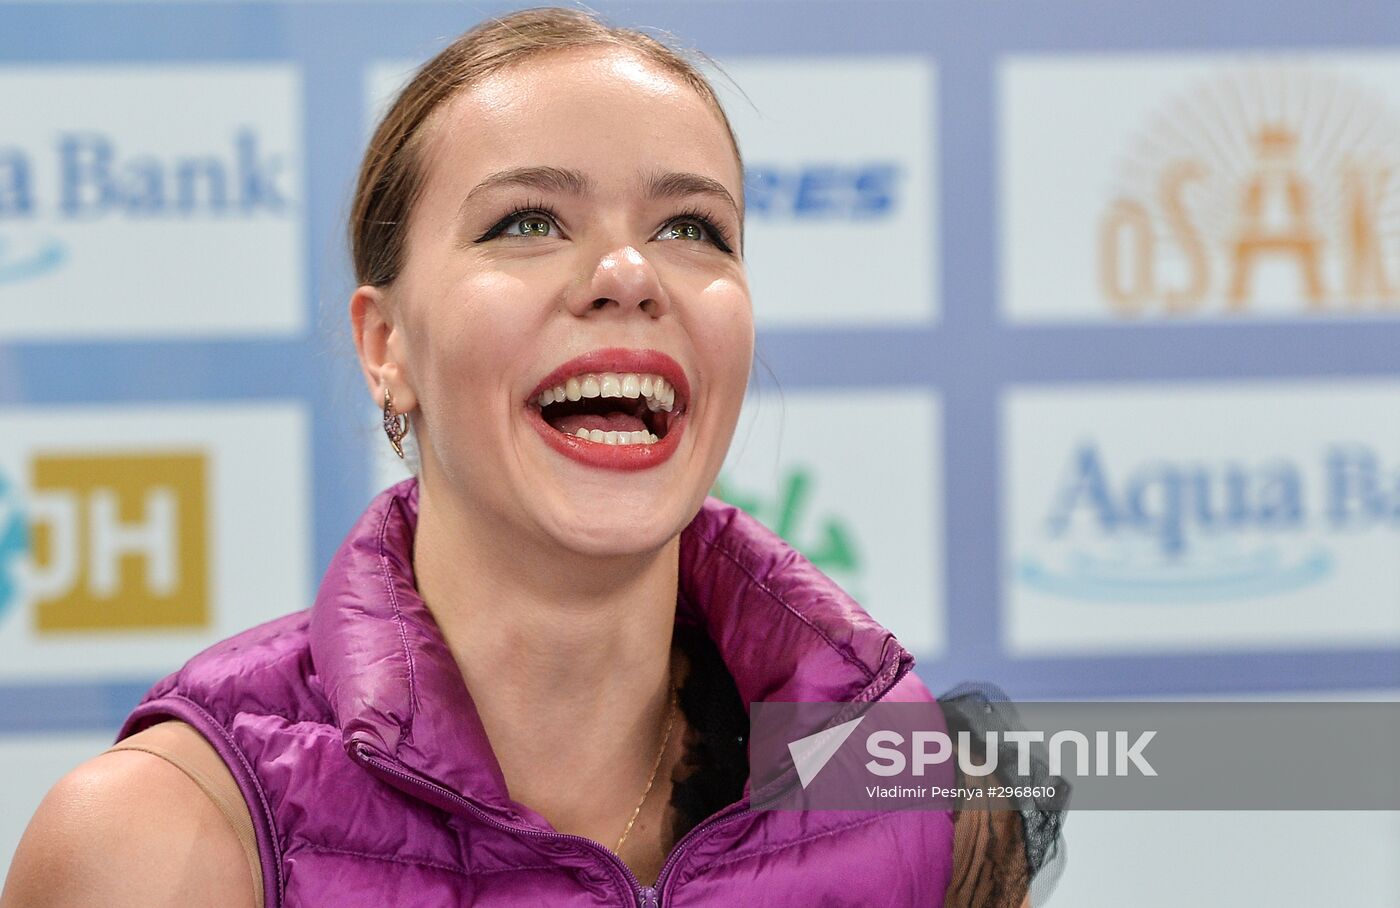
1079 325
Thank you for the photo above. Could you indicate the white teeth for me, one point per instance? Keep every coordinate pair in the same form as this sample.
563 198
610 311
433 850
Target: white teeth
662 397
658 393
617 438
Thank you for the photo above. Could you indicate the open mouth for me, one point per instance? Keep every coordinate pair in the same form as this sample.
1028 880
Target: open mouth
612 408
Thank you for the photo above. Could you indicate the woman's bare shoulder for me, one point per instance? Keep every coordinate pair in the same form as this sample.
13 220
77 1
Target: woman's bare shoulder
129 828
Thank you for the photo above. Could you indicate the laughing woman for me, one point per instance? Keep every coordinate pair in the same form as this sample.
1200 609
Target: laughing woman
525 677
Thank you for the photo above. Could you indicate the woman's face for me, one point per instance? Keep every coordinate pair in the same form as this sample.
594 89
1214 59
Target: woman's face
580 204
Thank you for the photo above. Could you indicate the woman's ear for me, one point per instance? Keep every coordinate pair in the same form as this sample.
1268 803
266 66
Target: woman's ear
379 344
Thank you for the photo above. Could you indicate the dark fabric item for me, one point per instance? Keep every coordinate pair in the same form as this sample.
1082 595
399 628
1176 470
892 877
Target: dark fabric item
716 766
1019 842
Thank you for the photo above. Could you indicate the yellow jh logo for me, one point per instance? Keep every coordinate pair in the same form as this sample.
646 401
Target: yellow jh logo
118 542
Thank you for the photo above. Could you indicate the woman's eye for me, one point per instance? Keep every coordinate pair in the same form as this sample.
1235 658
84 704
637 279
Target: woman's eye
684 230
540 224
531 222
530 225
697 229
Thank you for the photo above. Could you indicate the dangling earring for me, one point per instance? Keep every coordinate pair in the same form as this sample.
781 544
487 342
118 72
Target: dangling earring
395 425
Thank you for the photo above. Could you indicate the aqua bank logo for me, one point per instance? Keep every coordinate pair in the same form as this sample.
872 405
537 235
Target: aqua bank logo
1201 518
96 181
840 187
1170 532
1200 187
140 201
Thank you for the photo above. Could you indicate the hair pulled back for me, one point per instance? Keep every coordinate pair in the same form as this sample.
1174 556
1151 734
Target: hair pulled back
391 175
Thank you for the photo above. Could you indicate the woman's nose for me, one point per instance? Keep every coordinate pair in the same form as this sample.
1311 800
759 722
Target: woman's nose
622 279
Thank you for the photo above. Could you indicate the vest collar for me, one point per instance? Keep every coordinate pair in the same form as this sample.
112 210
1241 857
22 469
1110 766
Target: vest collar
784 630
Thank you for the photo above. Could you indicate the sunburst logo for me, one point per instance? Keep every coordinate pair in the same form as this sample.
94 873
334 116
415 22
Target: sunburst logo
1262 189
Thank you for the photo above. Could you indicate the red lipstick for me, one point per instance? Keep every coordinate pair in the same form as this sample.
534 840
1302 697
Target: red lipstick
600 454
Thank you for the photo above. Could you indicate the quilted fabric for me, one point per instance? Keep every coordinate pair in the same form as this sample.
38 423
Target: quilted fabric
371 782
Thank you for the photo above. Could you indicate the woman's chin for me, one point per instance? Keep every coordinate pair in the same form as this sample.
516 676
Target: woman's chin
614 530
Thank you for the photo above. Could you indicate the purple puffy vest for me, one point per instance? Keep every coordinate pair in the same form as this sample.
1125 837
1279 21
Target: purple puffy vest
371 782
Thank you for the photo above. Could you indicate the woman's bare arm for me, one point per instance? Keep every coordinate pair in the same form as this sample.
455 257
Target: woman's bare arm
128 830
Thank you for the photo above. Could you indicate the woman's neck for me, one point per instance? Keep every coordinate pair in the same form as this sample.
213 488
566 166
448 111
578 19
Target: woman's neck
567 658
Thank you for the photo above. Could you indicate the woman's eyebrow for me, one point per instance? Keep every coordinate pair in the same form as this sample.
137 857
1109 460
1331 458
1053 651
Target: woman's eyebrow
660 185
676 185
545 179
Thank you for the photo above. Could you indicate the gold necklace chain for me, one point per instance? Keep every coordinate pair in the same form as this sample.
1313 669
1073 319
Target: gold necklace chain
665 739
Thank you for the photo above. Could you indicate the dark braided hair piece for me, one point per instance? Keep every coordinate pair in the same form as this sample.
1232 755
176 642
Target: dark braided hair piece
716 761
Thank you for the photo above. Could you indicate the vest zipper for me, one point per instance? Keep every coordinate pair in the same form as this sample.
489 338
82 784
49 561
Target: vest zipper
646 896
370 758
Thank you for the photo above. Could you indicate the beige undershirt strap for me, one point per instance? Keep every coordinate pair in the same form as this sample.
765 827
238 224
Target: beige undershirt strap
186 749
